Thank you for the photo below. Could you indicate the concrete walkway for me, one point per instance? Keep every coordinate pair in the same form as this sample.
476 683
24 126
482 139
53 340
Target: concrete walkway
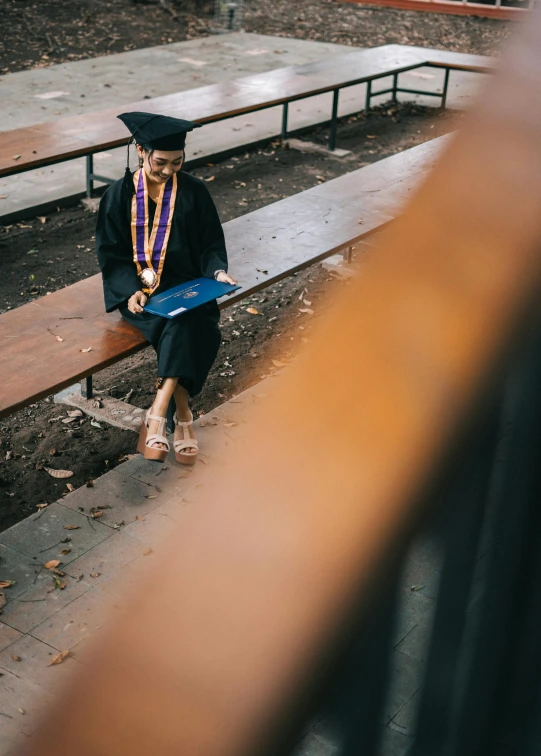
46 94
103 558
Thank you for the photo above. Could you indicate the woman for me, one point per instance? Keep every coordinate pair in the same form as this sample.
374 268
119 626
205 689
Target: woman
158 228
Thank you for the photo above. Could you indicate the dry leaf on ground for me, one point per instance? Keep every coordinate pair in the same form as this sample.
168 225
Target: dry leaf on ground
58 473
15 657
41 506
65 551
72 527
6 583
95 574
86 350
141 519
70 487
95 424
59 658
252 311
97 514
210 178
52 564
307 310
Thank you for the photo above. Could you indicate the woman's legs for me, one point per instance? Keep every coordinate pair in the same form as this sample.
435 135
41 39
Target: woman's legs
159 407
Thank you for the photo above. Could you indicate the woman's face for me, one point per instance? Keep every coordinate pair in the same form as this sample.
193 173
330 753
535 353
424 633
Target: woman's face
159 165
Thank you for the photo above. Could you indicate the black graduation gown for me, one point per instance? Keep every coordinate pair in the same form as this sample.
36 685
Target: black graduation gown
187 345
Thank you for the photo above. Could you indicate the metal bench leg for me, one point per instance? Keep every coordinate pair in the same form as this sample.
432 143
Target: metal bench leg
285 112
332 133
368 96
347 254
86 387
89 175
445 86
395 85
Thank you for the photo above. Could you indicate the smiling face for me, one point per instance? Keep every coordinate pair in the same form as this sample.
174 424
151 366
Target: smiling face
159 165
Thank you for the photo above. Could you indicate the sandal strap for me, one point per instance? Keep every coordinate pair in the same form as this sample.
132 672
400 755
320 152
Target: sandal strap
182 423
179 446
156 438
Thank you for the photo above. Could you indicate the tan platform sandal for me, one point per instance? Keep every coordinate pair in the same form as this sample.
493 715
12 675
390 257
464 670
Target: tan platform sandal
183 456
147 441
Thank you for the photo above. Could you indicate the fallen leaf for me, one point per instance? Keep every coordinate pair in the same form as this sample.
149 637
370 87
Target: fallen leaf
307 310
279 364
3 600
417 587
252 311
52 452
95 515
306 302
95 424
16 157
51 564
59 473
70 487
10 454
72 527
147 552
371 136
6 583
210 178
229 425
141 519
42 219
16 658
150 496
89 484
41 506
59 338
59 658
75 413
58 583
86 350
65 551
95 574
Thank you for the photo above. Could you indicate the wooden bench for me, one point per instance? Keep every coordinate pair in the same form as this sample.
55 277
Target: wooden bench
85 135
281 238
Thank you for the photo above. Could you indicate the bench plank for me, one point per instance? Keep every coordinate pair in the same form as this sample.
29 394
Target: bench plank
75 136
281 238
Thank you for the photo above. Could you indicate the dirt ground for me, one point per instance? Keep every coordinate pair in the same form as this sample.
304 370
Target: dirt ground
41 255
39 34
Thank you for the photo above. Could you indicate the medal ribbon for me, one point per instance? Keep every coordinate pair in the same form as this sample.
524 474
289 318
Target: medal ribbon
150 252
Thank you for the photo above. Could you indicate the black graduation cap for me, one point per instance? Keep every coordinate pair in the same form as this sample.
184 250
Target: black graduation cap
157 132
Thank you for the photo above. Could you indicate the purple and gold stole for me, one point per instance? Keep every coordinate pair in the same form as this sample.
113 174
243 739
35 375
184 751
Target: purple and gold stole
150 252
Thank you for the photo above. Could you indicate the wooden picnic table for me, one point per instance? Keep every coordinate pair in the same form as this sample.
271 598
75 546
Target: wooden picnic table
84 135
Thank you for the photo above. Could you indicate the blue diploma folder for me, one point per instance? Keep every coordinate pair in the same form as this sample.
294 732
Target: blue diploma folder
187 296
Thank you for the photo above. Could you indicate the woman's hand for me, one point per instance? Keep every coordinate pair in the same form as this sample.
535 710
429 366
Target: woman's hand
224 277
136 302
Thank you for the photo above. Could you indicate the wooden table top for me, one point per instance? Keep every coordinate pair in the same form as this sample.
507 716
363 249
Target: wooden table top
281 238
54 141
